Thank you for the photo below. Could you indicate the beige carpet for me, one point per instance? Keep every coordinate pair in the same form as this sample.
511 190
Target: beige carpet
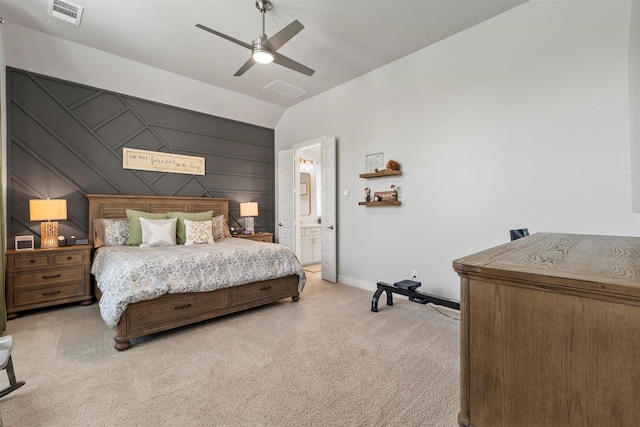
316 268
326 360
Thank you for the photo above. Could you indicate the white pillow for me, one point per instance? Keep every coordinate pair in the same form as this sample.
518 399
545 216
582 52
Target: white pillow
158 232
198 232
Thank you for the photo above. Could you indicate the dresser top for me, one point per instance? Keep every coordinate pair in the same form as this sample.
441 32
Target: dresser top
596 263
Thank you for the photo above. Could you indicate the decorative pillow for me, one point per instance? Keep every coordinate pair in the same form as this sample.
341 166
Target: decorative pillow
158 232
110 231
181 216
198 232
135 231
218 227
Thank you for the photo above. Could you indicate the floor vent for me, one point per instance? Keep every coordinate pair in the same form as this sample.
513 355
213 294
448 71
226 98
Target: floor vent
66 11
285 89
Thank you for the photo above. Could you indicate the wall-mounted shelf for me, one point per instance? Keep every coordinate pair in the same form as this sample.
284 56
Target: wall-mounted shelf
381 203
385 172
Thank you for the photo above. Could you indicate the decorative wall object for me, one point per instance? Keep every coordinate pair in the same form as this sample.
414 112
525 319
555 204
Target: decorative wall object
161 162
375 162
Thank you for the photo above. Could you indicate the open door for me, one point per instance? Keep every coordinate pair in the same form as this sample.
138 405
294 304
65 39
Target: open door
329 195
285 215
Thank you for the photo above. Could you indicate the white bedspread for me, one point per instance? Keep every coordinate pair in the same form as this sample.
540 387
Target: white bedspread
126 274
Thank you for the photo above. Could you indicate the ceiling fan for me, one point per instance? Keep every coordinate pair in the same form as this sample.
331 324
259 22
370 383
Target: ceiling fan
263 49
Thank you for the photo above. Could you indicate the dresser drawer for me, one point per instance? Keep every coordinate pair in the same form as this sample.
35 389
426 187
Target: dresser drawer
259 290
169 308
45 295
40 277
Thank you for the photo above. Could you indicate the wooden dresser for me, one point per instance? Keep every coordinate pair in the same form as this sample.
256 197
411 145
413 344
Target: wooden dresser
550 332
45 277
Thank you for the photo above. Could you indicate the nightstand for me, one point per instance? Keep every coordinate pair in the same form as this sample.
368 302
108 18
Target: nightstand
258 237
44 277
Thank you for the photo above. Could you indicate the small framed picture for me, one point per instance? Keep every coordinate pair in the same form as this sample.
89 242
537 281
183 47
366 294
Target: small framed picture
24 243
375 162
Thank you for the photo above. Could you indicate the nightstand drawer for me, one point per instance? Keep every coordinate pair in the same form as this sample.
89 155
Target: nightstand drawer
44 295
38 278
68 258
30 261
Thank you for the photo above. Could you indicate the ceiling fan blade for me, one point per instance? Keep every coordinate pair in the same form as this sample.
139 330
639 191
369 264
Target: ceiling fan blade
224 36
278 40
250 63
290 63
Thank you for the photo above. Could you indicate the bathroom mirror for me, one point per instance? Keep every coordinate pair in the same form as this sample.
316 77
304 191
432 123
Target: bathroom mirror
305 194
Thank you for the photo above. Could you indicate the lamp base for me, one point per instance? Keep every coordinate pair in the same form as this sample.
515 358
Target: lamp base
48 235
248 224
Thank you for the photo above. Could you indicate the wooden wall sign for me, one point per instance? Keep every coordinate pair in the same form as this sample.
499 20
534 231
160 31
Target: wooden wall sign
162 162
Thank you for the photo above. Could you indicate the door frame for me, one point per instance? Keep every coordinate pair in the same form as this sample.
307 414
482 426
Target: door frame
296 229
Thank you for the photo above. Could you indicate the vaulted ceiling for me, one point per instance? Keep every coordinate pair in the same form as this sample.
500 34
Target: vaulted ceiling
342 39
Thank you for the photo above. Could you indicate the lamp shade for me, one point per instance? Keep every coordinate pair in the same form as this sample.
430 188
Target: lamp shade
47 209
249 209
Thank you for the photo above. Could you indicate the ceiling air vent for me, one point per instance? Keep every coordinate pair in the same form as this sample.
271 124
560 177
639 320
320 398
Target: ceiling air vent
285 89
66 11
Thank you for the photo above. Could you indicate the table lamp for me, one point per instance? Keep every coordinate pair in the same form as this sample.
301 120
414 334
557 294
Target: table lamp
48 210
249 210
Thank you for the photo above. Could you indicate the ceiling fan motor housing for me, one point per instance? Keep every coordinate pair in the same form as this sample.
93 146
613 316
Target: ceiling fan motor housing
263 5
259 52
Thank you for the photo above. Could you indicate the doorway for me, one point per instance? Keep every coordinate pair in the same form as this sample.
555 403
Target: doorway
310 207
306 216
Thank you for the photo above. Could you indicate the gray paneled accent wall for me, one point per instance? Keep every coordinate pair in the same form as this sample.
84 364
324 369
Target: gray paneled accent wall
65 140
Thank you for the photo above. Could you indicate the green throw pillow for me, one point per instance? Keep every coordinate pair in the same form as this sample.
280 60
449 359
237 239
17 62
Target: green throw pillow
195 216
135 230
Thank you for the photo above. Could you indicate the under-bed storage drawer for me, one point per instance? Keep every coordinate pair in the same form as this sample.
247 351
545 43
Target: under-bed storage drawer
169 308
286 287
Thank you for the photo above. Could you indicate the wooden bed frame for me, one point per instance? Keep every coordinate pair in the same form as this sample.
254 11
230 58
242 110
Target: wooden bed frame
175 310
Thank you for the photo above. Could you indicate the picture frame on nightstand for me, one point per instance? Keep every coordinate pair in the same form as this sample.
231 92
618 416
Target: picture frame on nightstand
24 243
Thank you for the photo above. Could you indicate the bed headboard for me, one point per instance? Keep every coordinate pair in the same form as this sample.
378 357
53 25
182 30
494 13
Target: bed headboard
115 206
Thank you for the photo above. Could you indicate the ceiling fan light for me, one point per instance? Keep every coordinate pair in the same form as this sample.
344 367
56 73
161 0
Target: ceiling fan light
262 56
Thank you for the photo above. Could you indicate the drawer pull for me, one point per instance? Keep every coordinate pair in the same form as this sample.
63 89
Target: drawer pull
69 258
32 261
51 277
51 293
265 288
182 306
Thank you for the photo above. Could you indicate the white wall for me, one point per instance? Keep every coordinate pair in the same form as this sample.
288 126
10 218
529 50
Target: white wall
521 121
40 53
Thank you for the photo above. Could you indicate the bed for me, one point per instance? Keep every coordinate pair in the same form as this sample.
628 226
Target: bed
166 309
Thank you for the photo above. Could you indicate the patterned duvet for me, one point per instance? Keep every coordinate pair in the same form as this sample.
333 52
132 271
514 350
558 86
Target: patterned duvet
126 274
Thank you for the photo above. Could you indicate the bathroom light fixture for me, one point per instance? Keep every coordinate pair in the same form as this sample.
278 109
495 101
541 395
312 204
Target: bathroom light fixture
306 166
48 210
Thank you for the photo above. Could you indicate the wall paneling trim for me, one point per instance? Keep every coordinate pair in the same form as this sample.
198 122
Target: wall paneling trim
65 140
